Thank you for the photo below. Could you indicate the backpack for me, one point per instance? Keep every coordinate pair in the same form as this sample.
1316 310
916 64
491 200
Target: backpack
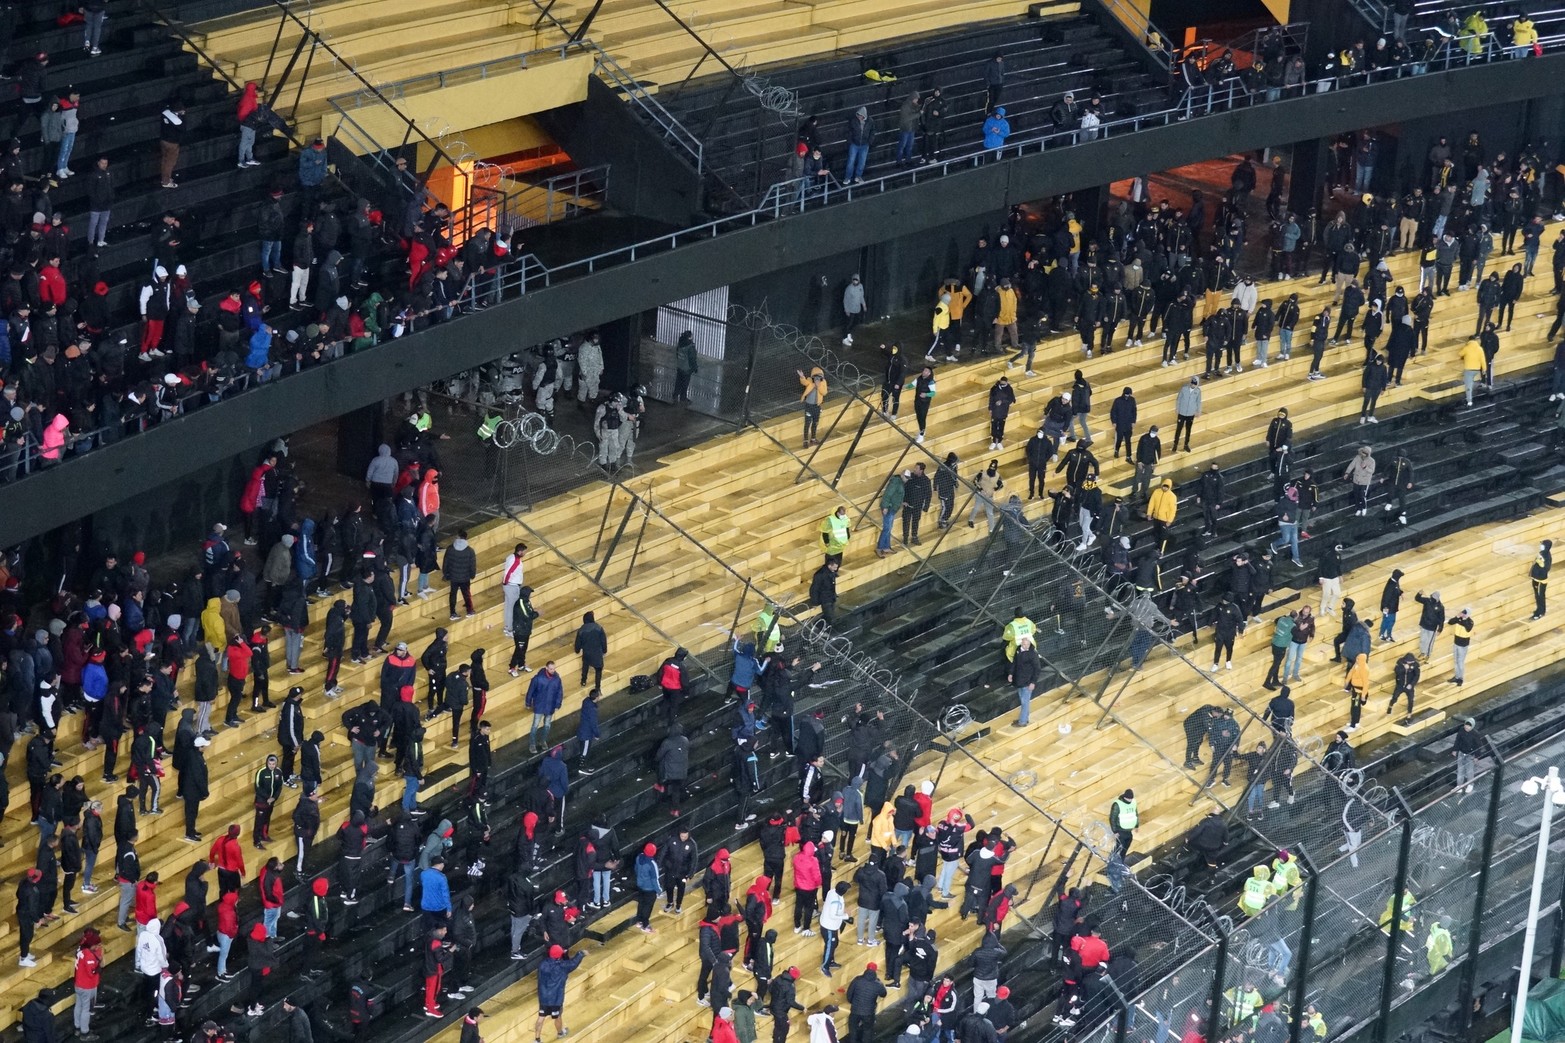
640 683
670 676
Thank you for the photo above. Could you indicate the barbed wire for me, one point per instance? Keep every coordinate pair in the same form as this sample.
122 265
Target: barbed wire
759 320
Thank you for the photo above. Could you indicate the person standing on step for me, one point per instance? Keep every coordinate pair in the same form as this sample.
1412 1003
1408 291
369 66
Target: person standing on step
1431 620
1360 471
1540 578
994 81
1468 748
891 382
917 495
923 387
170 135
1390 603
860 135
460 567
1187 406
1407 675
1462 623
812 398
1001 398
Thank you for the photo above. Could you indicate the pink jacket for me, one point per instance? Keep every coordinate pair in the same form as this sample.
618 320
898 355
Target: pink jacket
54 437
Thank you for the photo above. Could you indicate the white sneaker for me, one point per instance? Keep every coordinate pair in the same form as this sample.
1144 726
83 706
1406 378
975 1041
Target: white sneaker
1239 368
27 961
1010 365
950 358
1228 666
1031 373
1362 421
1373 420
919 439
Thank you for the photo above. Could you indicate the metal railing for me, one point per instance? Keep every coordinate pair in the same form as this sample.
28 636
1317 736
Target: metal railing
562 196
787 198
612 73
1140 24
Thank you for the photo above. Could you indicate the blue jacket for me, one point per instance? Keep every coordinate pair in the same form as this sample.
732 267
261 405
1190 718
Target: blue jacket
647 878
996 129
545 693
95 681
260 353
1357 643
551 980
587 726
436 896
304 551
312 167
553 771
745 665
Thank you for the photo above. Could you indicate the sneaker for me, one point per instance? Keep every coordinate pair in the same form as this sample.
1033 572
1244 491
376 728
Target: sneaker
436 1013
1372 420
88 889
169 184
1031 373
27 961
95 52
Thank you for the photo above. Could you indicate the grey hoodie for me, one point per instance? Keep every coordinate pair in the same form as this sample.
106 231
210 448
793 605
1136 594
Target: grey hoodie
1188 401
853 803
436 843
383 469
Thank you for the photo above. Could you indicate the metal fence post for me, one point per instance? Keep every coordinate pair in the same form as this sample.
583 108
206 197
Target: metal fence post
1469 982
1388 976
1219 972
1301 983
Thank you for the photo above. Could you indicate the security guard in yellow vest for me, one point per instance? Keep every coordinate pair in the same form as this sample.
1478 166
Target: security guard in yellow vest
1124 817
1018 628
1257 891
1246 1001
835 531
1437 947
487 429
1316 1023
1285 873
768 630
1408 901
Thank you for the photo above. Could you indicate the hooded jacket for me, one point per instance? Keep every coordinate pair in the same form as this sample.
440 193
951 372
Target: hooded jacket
1163 504
806 869
151 954
383 468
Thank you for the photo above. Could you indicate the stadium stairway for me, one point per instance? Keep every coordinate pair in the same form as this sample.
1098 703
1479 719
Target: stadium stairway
1067 51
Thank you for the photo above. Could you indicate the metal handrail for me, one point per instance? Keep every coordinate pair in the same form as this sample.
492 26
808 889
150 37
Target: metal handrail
1152 38
609 69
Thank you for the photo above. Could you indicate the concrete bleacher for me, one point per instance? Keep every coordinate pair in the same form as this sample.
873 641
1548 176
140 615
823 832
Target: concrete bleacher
1064 51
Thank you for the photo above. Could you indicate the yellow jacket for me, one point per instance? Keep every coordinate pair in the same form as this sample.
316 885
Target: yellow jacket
808 383
1358 674
961 297
882 831
1162 505
1523 32
1007 306
1473 356
942 318
212 623
1474 29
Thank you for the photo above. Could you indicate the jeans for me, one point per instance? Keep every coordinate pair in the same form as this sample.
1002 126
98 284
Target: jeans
409 793
1288 536
97 226
1080 418
829 947
1466 769
601 891
904 146
269 917
224 944
1285 343
92 28
1256 798
887 520
246 144
947 875
1292 661
1426 642
89 862
1362 177
1459 658
67 143
858 155
540 721
1024 696
1530 251
271 254
293 647
127 899
1388 620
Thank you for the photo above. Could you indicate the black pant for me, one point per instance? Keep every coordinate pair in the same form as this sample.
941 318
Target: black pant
192 811
674 892
1183 423
812 422
1037 476
361 639
236 692
644 902
1540 595
1223 646
894 946
1396 695
803 908
1317 352
289 752
466 587
262 830
1121 437
1224 759
910 519
1277 657
671 700
519 651
921 412
597 674
1367 406
1345 323
890 398
703 980
860 1027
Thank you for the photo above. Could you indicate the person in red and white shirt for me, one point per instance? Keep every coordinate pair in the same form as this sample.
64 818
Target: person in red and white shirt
511 576
89 964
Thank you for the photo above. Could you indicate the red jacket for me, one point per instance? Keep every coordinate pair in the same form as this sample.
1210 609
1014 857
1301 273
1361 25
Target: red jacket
227 854
723 1031
146 902
89 962
271 887
51 285
228 915
925 809
239 660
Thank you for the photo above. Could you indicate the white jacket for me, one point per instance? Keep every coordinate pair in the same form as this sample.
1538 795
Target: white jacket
151 955
822 1028
833 912
1245 295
